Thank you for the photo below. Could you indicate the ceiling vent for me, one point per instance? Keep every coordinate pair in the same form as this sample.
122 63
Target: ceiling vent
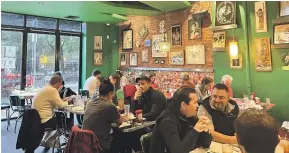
71 17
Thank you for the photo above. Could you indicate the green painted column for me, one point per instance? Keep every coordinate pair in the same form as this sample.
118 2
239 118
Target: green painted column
244 19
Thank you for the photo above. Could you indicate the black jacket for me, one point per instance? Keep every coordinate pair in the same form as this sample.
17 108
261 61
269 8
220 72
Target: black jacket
31 130
174 133
66 92
152 103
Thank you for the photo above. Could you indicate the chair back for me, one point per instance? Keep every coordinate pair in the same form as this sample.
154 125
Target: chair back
129 90
145 141
16 103
84 93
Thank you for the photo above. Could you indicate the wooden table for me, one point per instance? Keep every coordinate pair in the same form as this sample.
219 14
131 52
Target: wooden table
134 128
216 147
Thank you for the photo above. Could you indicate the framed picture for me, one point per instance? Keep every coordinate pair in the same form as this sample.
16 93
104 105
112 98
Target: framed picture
133 59
147 43
98 58
145 56
225 14
177 57
263 54
285 61
261 16
236 63
122 59
195 54
176 38
127 39
195 29
143 32
281 34
219 40
283 8
156 39
98 42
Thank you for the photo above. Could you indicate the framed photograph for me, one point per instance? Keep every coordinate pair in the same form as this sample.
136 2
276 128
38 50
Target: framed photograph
285 61
219 40
147 43
236 63
176 38
195 29
225 14
133 59
281 34
283 8
127 39
195 54
261 16
98 58
122 59
177 57
145 56
97 42
156 39
263 54
143 32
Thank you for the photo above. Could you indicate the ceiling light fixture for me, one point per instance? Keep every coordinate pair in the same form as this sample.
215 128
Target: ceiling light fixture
40 3
108 24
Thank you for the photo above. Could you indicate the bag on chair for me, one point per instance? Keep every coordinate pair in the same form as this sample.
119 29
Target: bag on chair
50 139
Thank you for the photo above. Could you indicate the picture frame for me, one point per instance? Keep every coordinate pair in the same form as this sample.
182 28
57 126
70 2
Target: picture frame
283 9
195 29
156 39
143 32
97 42
127 39
236 63
98 58
176 37
285 61
261 17
123 59
145 56
223 21
177 57
133 59
195 54
219 40
263 61
147 43
281 34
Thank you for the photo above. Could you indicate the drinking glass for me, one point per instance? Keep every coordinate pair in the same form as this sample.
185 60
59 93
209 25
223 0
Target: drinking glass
227 148
284 143
126 109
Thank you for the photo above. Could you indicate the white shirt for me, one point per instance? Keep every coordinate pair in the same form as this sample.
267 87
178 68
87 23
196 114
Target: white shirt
45 101
90 85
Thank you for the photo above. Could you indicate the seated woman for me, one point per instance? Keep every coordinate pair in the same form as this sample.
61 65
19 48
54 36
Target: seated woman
177 129
203 90
118 98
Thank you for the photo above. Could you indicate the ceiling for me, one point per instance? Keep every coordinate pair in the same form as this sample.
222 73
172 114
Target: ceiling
93 11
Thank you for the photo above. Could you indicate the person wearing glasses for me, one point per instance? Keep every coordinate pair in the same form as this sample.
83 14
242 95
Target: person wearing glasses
222 111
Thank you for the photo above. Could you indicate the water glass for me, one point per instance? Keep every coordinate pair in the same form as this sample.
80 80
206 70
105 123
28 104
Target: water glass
227 148
126 109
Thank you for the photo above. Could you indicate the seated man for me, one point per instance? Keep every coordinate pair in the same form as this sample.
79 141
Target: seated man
223 112
99 115
47 99
151 101
90 83
256 131
186 81
178 130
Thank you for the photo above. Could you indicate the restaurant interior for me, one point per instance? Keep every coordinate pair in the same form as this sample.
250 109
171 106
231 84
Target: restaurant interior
246 42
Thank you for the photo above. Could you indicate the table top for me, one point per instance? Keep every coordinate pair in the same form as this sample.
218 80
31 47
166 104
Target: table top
23 93
134 128
243 105
76 110
216 147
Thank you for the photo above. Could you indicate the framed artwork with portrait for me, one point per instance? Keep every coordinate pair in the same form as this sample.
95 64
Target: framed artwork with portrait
261 16
98 58
97 42
195 29
177 57
236 63
133 59
127 39
145 56
225 15
122 59
176 38
263 60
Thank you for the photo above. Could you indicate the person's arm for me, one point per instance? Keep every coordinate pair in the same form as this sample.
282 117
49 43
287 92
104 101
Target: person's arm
55 99
169 131
205 139
120 99
113 115
157 108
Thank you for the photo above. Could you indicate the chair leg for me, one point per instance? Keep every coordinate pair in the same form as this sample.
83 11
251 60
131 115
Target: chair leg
8 117
17 121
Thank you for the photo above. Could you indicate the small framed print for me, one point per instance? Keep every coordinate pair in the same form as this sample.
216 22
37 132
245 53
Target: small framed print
145 56
176 35
281 34
260 16
283 9
127 39
177 57
147 43
236 63
195 29
263 61
97 42
98 58
133 59
219 40
122 59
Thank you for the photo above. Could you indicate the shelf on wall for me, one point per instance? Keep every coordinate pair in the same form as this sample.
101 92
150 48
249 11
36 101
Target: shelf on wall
280 46
167 69
281 20
225 27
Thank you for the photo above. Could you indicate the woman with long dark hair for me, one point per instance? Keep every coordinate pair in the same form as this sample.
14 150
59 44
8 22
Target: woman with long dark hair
118 98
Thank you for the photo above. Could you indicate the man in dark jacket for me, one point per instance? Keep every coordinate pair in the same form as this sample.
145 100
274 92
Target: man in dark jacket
149 100
177 129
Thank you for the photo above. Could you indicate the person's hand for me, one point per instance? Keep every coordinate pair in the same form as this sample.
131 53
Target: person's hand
203 124
66 99
137 95
125 118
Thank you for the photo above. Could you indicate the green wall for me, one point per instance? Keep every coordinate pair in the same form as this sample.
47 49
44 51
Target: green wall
275 84
109 48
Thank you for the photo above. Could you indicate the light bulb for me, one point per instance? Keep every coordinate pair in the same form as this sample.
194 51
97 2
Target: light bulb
233 49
